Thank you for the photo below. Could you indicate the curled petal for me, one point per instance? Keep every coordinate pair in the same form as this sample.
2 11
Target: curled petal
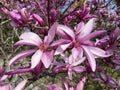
36 58
21 55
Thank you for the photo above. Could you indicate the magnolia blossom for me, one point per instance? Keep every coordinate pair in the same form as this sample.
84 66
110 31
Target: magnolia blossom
19 17
106 79
71 64
42 54
109 42
80 85
79 40
84 13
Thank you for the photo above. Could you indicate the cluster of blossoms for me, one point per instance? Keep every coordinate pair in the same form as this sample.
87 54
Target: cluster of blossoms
62 39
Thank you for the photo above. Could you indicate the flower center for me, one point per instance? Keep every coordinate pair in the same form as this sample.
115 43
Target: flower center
43 47
77 44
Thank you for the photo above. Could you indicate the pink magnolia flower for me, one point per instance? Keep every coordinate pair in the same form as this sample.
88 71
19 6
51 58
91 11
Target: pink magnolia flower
84 13
79 40
19 17
80 85
42 54
71 64
106 79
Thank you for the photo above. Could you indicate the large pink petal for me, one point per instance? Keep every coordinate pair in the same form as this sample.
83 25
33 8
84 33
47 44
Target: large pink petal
87 28
47 58
77 52
51 32
92 35
27 42
21 55
21 85
36 58
79 27
62 48
31 37
67 30
90 57
99 52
